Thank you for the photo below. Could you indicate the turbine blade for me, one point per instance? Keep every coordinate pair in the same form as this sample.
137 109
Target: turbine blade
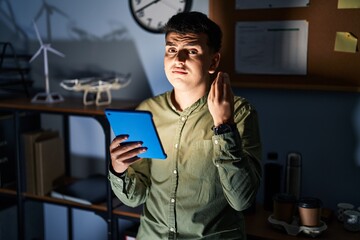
36 54
58 10
37 33
55 51
39 13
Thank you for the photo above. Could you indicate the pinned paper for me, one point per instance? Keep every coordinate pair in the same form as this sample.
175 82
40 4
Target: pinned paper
345 42
348 4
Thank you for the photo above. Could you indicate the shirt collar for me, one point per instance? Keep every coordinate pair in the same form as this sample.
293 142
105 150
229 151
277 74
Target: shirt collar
195 107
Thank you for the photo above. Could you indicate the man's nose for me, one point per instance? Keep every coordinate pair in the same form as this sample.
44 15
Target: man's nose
181 56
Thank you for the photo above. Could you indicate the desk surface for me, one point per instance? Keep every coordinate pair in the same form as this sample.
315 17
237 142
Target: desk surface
258 227
69 105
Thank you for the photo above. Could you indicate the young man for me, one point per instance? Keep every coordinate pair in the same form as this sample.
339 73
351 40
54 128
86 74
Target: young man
212 171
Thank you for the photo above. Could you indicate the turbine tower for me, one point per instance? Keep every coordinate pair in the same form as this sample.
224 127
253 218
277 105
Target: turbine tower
46 97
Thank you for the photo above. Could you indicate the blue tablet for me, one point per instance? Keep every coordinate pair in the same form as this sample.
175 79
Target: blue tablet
139 125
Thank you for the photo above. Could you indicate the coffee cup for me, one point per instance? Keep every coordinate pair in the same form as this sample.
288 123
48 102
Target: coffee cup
310 211
284 207
342 207
352 220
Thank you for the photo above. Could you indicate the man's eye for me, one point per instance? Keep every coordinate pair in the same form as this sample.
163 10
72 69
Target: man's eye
192 52
171 50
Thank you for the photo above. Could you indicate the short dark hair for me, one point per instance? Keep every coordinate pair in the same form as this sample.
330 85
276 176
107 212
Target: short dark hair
195 22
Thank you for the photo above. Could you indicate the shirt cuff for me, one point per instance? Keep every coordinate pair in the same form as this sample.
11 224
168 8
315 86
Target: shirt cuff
120 175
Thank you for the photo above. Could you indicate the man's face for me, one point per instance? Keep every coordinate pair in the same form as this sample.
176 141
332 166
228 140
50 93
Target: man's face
188 61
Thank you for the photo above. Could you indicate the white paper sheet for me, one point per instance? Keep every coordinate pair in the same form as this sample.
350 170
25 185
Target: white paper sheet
271 47
253 4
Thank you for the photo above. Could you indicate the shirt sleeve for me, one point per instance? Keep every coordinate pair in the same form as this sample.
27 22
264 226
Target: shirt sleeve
132 186
237 157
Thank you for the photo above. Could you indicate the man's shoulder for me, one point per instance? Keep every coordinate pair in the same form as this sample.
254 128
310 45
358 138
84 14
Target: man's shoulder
152 102
242 104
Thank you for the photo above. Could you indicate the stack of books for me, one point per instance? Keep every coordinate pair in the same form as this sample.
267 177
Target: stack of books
44 159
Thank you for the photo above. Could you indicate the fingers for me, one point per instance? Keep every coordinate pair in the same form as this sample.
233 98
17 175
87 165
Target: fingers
123 154
227 91
221 100
116 142
220 88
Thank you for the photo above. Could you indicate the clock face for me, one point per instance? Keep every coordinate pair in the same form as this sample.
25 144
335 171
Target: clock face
152 15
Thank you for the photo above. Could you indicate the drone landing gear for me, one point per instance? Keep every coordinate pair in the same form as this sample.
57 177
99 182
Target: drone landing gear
103 97
47 98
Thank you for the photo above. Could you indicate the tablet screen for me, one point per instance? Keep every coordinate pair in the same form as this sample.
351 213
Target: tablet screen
139 126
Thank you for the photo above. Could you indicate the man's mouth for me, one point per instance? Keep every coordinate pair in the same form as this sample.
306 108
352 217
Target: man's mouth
179 71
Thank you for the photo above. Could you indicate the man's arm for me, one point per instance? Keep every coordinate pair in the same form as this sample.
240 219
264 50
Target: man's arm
128 184
238 152
237 155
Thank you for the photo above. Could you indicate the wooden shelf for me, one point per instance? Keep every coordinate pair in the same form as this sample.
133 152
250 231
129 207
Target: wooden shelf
7 191
70 105
58 201
129 212
120 209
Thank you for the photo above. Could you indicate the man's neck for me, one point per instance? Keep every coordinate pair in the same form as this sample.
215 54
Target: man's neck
184 99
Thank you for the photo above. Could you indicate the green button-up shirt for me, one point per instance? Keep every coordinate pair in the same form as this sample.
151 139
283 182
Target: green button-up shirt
199 191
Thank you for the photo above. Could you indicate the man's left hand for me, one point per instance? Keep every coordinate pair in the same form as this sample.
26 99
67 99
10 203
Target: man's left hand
221 100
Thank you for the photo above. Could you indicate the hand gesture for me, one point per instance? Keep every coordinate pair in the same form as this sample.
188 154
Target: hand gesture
221 100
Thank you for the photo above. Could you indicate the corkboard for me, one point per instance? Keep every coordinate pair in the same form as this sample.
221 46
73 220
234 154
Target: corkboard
326 68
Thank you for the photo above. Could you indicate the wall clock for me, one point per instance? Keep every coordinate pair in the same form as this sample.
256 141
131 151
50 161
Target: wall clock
152 15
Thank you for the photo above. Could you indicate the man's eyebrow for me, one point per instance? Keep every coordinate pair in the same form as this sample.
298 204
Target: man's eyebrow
191 43
168 43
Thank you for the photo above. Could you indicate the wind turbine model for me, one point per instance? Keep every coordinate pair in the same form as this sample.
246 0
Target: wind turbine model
46 97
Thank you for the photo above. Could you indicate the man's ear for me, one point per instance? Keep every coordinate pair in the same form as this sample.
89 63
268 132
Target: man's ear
214 63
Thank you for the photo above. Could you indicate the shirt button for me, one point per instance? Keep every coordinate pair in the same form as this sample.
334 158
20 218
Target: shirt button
176 145
217 165
172 200
216 142
172 229
175 172
183 119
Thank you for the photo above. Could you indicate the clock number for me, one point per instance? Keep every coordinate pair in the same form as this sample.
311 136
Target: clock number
140 13
149 21
160 25
152 15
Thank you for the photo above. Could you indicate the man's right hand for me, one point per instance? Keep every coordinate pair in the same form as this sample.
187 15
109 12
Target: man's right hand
124 154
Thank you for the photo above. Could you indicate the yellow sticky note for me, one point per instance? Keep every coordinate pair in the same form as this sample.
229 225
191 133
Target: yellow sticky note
345 42
348 4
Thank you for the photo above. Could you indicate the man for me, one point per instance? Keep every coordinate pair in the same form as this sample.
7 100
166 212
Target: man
212 171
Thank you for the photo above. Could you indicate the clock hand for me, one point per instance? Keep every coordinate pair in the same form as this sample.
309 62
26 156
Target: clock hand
170 5
147 5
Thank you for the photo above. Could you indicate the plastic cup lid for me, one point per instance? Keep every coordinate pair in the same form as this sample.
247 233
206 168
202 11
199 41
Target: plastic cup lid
345 205
310 202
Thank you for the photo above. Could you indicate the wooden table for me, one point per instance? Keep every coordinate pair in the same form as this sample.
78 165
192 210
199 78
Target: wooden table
258 227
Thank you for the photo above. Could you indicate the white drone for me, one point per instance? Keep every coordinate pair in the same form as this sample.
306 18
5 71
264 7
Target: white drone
46 97
96 85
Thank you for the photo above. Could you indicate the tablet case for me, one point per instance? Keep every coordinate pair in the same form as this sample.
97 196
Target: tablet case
140 126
